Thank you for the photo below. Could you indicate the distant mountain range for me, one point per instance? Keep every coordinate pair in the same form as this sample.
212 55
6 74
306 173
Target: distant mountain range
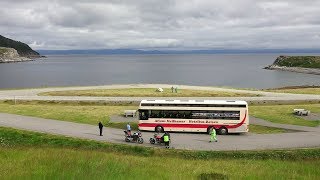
136 51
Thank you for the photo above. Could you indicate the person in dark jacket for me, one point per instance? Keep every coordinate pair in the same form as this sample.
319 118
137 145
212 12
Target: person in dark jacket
100 127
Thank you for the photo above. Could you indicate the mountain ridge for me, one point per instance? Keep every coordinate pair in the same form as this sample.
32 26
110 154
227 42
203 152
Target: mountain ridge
206 51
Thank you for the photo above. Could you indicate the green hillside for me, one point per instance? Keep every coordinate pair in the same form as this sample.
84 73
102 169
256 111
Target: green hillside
22 48
298 61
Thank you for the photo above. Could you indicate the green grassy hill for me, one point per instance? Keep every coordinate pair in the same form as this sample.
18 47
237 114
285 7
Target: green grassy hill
298 61
22 48
31 155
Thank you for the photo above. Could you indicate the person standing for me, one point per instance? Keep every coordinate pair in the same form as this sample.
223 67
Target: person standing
176 89
213 135
172 89
166 139
100 128
129 129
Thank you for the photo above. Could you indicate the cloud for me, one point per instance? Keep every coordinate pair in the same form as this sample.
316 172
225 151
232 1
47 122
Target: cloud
153 24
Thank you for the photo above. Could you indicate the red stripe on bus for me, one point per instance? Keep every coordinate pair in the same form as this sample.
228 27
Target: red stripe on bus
217 126
174 125
238 125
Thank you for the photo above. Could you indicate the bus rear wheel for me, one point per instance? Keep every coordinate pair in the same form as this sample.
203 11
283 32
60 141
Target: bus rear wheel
223 131
209 130
159 129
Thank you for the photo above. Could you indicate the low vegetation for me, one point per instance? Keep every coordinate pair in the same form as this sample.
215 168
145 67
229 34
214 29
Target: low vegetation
2 50
36 155
145 92
298 61
88 114
257 129
283 114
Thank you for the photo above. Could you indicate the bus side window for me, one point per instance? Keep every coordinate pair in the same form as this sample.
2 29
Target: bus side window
143 115
155 114
165 114
160 114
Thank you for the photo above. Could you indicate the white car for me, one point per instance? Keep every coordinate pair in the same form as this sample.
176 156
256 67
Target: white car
301 112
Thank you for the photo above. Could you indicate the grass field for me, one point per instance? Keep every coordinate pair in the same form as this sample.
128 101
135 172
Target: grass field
283 114
257 129
31 155
297 90
89 114
145 92
53 163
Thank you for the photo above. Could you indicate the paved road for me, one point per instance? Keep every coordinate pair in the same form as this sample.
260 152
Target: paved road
32 94
248 141
257 121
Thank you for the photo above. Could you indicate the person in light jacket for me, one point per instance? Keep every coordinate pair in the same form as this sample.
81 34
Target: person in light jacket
129 129
166 139
213 135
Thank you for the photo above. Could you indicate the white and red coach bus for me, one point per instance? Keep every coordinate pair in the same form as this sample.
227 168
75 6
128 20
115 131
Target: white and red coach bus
194 116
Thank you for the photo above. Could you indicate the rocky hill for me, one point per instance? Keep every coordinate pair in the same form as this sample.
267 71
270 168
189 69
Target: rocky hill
11 55
23 49
301 64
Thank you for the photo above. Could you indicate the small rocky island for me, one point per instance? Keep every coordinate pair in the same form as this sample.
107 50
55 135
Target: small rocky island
15 51
300 64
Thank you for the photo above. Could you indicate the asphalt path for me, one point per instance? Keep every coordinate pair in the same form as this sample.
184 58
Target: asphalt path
193 141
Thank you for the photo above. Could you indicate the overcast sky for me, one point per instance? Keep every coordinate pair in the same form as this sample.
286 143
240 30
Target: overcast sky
162 24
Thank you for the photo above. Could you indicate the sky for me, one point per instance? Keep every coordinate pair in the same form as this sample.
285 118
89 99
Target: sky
162 24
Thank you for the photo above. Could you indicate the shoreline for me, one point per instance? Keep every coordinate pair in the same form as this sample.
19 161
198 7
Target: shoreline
313 71
16 60
266 98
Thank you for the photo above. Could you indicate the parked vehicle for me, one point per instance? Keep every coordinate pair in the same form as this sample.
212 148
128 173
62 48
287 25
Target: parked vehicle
301 112
157 139
135 137
225 116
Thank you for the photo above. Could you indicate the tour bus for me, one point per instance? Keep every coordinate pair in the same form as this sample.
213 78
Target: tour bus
194 116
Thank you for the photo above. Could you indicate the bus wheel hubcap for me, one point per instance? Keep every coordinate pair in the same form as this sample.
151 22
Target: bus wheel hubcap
159 129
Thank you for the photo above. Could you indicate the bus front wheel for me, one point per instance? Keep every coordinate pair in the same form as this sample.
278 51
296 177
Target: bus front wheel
223 131
159 129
